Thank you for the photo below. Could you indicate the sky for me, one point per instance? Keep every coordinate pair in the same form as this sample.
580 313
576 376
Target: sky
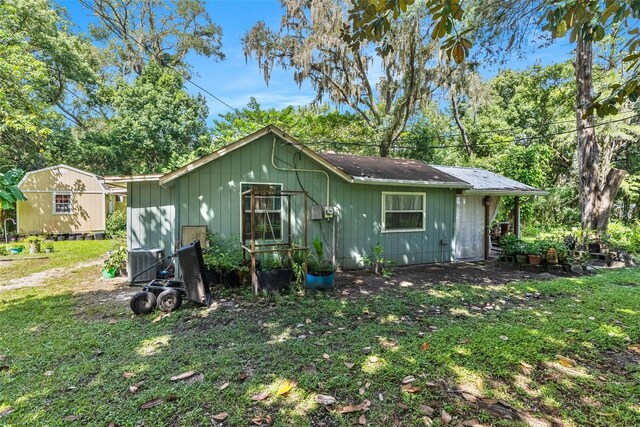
236 80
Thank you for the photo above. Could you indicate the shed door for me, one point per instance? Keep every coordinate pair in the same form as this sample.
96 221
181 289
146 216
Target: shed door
469 240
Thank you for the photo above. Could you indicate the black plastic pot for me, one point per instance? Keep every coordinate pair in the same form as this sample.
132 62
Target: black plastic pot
99 236
230 279
274 280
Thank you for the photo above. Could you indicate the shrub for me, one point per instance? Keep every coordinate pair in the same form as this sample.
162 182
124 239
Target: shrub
625 236
224 254
117 223
3 250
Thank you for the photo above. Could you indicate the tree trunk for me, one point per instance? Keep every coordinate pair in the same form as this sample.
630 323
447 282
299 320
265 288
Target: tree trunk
463 131
588 150
596 194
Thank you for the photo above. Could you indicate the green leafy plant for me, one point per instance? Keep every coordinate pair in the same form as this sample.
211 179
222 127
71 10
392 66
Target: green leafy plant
117 257
318 266
9 191
116 225
270 262
224 254
48 245
3 250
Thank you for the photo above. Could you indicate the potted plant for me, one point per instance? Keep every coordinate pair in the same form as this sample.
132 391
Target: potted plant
320 273
116 261
273 275
535 253
223 259
35 244
15 248
48 246
509 245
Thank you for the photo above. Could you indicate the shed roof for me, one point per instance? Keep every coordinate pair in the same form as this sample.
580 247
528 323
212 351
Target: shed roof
368 169
489 183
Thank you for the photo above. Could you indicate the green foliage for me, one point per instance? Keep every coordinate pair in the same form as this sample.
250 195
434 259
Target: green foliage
9 191
117 257
116 225
3 250
511 245
224 254
155 121
317 264
49 245
625 237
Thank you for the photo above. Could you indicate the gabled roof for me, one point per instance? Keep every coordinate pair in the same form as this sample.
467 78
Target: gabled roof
98 178
489 183
244 141
385 170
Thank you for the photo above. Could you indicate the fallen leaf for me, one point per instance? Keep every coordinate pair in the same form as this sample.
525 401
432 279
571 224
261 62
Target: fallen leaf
427 421
408 379
308 321
112 424
380 397
183 376
243 376
410 388
566 362
445 418
373 359
361 391
635 348
364 406
403 406
3 357
504 337
221 416
128 375
133 388
48 373
425 346
526 368
260 396
325 399
71 418
362 420
151 403
427 410
469 397
6 411
223 386
260 420
285 387
325 356
349 365
464 341
472 422
160 317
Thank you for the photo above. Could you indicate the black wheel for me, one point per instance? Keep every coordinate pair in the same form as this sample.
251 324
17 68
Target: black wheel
169 300
143 302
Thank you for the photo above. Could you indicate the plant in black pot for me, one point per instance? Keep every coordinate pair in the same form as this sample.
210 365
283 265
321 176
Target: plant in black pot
273 275
321 272
223 259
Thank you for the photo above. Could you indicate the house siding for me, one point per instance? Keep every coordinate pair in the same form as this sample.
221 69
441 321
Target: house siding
210 195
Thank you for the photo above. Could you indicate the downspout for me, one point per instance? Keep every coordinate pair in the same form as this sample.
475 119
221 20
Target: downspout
333 222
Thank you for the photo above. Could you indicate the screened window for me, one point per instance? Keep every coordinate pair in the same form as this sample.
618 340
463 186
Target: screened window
62 203
268 219
403 211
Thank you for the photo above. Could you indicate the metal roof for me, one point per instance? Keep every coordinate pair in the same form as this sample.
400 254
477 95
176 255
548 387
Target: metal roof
385 170
485 182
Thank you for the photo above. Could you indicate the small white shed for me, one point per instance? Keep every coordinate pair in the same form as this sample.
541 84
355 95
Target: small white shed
477 208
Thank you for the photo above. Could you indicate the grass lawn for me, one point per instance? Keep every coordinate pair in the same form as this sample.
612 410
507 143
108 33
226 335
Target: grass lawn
65 254
72 354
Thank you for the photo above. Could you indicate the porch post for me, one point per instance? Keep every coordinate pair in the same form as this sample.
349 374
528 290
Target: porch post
487 226
516 216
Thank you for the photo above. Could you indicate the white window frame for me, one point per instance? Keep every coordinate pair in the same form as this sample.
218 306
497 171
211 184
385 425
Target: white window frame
62 193
404 193
242 212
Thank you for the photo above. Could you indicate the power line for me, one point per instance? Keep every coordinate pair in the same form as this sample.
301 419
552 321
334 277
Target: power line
524 139
180 73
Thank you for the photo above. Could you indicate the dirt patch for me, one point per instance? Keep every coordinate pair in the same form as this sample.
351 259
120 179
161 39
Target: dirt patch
365 282
41 278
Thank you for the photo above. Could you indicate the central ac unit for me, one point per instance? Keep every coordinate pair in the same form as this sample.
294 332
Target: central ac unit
141 260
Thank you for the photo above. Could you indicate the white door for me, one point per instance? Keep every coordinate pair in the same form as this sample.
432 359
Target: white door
469 240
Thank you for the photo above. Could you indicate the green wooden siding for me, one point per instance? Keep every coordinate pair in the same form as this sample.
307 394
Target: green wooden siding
210 195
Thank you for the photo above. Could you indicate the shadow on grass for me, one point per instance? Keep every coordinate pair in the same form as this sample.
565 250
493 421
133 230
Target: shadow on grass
68 355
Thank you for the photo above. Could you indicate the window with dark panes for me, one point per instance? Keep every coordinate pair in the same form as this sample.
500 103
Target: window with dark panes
403 211
62 203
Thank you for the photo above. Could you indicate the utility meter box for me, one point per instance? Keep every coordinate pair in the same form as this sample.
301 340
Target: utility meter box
329 212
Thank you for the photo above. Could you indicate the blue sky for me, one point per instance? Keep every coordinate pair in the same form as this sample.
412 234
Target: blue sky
234 80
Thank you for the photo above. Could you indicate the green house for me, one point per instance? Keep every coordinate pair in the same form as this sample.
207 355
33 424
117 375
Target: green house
418 213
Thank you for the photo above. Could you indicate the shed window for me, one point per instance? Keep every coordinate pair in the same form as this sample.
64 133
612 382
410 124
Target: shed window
268 219
62 203
403 211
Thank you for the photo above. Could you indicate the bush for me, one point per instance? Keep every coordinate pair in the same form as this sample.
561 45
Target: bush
625 237
224 254
3 250
117 223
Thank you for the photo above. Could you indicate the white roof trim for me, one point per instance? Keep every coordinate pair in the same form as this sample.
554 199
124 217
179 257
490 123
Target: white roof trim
507 192
405 182
28 174
244 141
124 179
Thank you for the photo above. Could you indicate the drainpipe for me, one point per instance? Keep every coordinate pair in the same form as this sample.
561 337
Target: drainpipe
487 239
516 216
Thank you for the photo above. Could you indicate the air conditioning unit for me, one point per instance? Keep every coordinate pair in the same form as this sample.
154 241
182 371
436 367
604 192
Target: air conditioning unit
141 263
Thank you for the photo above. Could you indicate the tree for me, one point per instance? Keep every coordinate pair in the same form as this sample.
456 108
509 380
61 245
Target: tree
40 58
309 42
156 126
141 31
9 191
